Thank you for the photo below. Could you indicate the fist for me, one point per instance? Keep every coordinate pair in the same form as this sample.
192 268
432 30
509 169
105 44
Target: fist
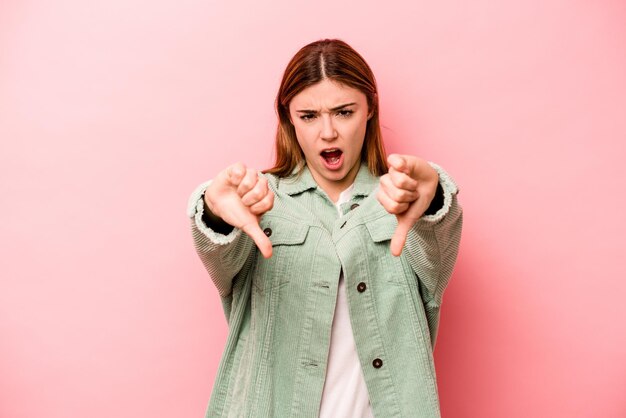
239 196
406 191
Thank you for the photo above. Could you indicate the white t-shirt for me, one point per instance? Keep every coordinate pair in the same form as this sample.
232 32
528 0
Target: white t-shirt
345 393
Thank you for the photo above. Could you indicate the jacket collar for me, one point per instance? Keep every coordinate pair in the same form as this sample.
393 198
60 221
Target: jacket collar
364 182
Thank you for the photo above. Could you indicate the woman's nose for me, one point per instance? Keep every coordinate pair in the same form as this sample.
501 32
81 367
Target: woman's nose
328 128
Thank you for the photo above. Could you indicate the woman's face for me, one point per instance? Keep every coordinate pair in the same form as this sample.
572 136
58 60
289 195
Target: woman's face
330 120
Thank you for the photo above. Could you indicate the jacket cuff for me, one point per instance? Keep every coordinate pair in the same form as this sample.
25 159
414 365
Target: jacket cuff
195 210
449 190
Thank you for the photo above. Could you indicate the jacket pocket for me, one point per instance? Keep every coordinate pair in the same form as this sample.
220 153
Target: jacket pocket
288 239
382 229
390 268
284 231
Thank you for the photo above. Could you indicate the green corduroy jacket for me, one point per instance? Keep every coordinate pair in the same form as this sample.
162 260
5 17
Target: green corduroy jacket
280 310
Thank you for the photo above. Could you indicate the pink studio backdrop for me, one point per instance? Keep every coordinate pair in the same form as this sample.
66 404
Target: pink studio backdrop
112 112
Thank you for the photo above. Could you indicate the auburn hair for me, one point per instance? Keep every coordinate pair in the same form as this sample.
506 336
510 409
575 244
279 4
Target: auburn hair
335 60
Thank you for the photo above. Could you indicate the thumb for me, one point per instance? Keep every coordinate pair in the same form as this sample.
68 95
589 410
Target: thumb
399 236
253 230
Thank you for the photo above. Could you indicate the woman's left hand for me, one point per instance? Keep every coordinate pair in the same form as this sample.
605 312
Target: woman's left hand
406 191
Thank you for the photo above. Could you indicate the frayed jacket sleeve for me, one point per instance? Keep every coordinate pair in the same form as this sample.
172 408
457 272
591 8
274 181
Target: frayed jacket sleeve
223 256
433 243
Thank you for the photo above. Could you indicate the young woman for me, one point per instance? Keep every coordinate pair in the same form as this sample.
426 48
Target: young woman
332 264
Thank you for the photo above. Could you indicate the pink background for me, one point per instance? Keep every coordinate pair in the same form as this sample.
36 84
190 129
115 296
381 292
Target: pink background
112 112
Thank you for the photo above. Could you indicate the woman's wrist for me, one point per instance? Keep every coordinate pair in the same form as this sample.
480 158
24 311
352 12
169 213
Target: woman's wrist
437 202
215 222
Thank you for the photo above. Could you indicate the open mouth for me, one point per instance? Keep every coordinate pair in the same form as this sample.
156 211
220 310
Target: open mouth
331 156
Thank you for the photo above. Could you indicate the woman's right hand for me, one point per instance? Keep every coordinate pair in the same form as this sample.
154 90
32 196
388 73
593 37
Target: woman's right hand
239 196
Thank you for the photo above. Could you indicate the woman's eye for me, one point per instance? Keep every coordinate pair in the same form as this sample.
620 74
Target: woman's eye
307 117
345 113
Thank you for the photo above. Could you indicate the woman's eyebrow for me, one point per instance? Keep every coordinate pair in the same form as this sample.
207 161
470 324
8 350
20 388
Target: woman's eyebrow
333 109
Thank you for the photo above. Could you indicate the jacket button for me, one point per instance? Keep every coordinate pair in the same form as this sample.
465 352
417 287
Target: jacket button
354 206
267 231
377 363
361 287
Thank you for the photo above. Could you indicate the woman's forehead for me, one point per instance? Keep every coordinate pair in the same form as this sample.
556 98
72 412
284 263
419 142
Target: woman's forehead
326 94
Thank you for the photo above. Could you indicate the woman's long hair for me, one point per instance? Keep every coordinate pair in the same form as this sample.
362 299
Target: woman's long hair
335 60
